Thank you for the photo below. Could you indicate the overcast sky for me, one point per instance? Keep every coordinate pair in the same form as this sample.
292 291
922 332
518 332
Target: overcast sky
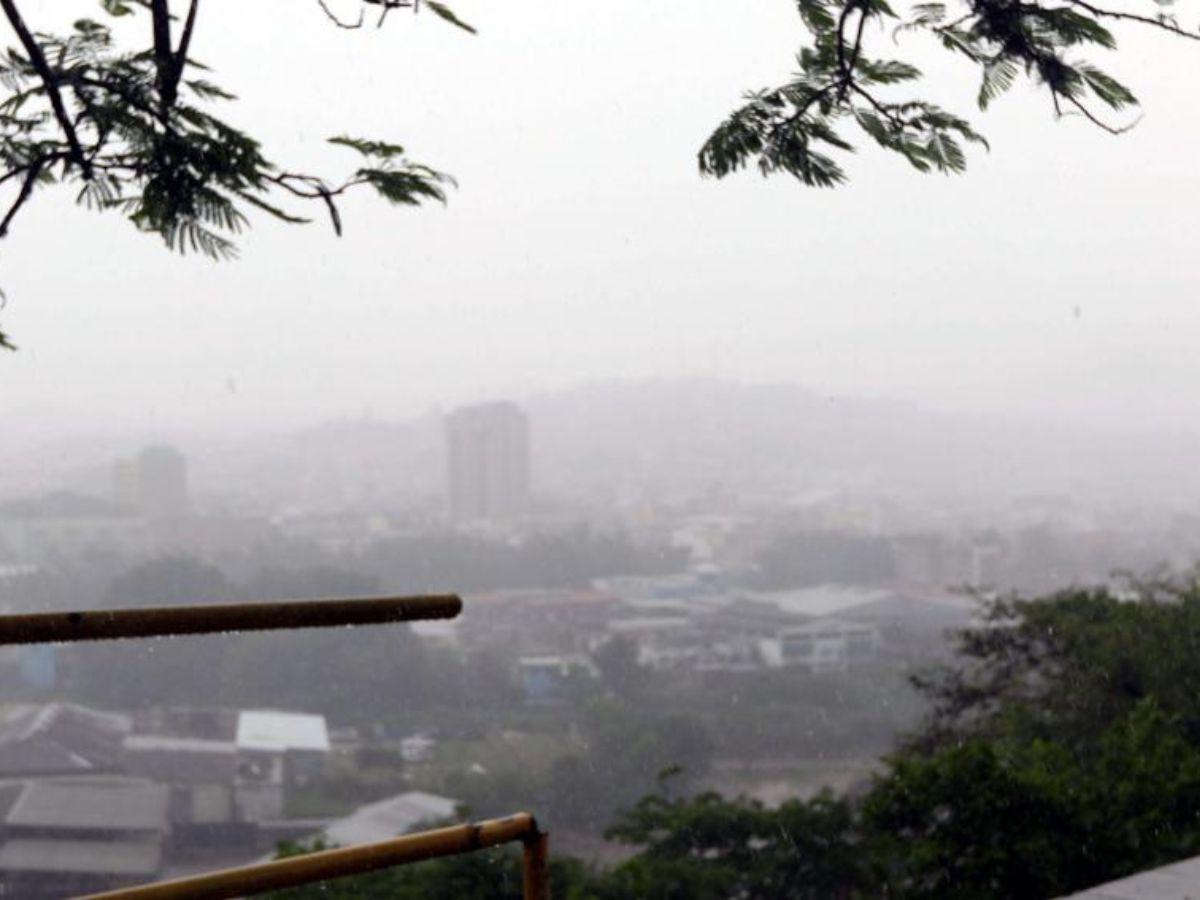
1057 277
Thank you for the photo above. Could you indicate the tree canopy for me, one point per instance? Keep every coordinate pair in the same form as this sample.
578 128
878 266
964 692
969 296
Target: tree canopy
1062 751
133 130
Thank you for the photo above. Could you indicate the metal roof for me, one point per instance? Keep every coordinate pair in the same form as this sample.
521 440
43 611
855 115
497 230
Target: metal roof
181 760
1178 881
108 857
274 731
178 744
102 804
59 738
389 818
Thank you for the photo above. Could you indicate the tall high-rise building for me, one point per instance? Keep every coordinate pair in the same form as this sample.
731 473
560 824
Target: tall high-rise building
154 483
487 448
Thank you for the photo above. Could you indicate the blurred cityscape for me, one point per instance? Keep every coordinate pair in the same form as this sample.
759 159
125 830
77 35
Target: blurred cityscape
738 580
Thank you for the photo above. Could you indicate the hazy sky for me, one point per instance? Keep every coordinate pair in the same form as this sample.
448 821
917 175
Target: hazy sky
1058 276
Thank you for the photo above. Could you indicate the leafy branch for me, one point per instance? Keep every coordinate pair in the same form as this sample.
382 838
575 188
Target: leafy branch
133 132
795 128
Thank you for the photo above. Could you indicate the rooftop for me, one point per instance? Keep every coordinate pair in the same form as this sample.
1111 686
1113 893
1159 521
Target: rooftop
391 817
277 732
59 738
109 857
181 760
1177 881
99 803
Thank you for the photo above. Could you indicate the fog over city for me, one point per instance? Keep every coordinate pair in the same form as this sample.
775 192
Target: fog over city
582 245
823 517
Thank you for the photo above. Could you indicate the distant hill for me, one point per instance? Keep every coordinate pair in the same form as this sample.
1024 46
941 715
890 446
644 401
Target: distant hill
679 435
663 439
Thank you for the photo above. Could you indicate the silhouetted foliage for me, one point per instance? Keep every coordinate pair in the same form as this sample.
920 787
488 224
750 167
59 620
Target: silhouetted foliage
133 130
710 848
794 128
613 763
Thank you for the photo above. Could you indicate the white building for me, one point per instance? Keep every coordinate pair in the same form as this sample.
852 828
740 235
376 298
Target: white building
826 645
275 750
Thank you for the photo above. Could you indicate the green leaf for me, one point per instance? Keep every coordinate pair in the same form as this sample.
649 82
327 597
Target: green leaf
815 14
444 12
380 149
407 188
887 71
1107 88
206 90
116 7
998 77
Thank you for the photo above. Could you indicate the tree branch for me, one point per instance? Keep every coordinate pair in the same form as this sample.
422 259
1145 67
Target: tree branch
181 52
318 188
1092 117
1163 23
857 48
38 60
32 172
164 56
338 22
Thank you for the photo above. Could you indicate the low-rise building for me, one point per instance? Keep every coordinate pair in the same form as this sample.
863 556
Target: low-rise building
554 679
67 836
276 750
825 645
201 775
391 817
60 739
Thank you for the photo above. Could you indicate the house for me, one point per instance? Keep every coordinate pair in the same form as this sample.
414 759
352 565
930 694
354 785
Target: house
1176 881
301 738
391 817
65 524
275 751
535 620
227 769
38 868
824 645
201 774
60 739
417 748
550 680
66 836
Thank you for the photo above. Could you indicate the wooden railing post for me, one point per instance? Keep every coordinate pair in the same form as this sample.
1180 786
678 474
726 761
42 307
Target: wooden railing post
309 868
536 867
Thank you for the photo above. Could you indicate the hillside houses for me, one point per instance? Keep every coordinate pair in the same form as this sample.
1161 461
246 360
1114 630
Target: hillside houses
693 622
67 836
92 800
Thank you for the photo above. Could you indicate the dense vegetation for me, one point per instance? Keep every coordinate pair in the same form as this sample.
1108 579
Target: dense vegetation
1063 750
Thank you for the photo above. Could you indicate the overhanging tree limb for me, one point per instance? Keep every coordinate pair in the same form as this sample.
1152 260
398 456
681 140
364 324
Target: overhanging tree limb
38 60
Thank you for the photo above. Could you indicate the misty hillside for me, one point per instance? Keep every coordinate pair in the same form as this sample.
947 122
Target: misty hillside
678 437
681 434
663 439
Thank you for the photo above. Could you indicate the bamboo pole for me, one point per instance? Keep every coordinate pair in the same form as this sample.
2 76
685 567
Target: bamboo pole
162 621
535 867
325 864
